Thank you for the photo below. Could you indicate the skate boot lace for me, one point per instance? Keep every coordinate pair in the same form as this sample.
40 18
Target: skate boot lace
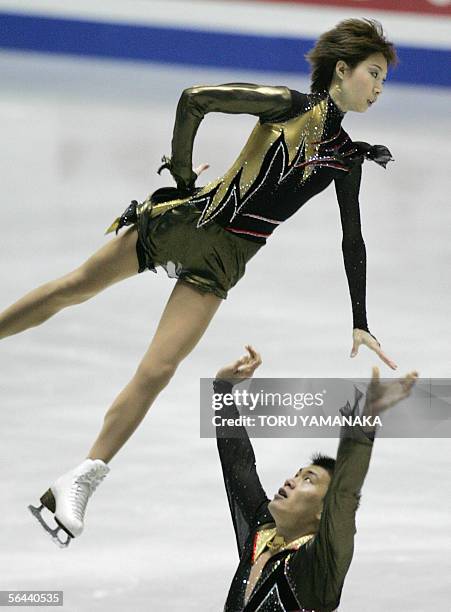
82 489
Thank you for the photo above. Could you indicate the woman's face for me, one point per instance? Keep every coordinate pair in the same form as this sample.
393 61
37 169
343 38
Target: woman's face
356 89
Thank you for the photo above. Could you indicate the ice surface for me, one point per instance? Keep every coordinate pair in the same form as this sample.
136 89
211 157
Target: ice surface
80 139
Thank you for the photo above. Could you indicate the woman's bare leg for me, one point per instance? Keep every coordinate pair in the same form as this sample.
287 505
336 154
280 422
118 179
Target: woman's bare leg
184 320
113 262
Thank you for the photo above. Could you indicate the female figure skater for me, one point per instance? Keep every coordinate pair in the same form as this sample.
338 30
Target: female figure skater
206 236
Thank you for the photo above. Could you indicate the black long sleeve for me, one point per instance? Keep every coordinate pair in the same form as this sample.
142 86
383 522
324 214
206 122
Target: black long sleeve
268 103
354 252
318 570
247 499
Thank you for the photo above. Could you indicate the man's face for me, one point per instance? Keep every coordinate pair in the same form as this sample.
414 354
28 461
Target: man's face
299 501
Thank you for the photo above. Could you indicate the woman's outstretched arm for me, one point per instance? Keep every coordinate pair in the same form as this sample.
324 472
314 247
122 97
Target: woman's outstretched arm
354 255
354 252
268 103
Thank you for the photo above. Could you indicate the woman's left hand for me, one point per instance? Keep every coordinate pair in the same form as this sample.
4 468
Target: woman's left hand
360 336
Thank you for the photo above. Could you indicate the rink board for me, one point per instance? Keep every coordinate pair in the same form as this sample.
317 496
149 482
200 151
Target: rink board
239 35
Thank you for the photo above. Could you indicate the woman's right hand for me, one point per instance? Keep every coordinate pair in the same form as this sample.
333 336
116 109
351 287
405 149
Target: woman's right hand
198 171
184 183
187 184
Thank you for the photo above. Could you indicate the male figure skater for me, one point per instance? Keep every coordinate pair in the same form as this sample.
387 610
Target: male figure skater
295 550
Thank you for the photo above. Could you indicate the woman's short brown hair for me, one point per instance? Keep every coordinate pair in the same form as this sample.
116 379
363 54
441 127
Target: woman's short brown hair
352 41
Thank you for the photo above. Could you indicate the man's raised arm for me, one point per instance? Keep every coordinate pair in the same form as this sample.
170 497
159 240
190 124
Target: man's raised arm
247 499
318 570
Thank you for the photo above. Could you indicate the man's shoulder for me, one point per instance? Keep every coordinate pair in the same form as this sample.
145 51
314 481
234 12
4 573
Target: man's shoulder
263 517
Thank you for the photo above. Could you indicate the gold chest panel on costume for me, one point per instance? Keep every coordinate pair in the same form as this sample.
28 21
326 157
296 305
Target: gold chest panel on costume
304 131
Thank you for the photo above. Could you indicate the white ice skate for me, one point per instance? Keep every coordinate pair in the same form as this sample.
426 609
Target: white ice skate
67 499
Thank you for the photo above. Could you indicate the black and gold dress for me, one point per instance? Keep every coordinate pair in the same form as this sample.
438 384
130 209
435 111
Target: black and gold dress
205 236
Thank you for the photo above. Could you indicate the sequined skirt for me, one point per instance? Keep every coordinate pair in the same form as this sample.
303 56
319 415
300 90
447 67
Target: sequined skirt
209 257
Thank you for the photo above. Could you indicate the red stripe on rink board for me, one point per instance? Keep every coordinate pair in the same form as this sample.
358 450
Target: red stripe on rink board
430 7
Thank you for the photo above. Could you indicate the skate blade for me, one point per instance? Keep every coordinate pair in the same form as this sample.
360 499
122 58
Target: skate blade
36 512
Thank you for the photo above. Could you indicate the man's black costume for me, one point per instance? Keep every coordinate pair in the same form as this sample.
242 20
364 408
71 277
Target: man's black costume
310 576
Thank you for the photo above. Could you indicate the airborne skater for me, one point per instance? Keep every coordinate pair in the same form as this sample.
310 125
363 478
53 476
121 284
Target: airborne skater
205 236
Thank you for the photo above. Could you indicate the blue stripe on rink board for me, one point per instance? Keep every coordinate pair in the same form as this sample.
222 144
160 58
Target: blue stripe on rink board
195 47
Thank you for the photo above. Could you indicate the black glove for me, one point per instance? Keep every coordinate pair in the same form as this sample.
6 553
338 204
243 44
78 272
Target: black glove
185 186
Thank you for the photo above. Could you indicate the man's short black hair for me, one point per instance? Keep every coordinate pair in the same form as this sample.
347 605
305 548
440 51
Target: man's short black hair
327 463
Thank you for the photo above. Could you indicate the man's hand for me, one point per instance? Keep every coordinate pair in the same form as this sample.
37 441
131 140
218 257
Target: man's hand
382 396
242 368
360 336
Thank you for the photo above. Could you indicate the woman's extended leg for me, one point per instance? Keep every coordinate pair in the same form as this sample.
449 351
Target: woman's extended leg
113 262
184 320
